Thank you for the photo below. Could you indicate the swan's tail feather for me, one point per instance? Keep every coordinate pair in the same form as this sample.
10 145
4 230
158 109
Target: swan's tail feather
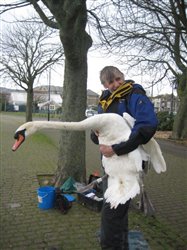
119 194
156 157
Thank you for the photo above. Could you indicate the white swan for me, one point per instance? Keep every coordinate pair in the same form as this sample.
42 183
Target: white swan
123 171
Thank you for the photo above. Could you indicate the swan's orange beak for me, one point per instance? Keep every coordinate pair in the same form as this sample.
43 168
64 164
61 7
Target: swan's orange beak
19 140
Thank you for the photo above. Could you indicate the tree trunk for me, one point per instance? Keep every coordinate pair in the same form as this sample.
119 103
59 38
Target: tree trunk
71 161
29 104
72 18
180 122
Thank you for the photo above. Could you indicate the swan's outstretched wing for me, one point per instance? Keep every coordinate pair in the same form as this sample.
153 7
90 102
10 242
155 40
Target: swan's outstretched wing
156 157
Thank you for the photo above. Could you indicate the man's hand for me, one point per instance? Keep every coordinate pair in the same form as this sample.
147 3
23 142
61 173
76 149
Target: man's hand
105 150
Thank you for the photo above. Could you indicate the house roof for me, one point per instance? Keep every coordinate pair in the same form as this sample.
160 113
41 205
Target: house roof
92 93
59 90
48 102
56 98
4 90
45 88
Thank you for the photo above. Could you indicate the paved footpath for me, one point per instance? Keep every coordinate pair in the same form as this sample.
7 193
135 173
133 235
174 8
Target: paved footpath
24 226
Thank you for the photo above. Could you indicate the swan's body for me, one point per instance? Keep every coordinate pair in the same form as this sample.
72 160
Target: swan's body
123 171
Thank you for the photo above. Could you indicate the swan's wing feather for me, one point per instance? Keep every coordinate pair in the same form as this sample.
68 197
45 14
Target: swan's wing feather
156 157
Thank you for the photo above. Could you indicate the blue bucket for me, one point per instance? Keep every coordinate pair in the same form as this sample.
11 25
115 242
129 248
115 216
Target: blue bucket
46 197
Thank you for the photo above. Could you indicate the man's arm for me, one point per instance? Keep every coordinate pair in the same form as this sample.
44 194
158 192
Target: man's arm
141 137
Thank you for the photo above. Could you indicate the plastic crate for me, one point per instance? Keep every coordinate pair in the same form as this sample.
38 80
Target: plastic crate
90 202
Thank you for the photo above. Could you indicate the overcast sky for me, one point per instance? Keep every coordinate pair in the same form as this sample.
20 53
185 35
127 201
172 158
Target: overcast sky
96 61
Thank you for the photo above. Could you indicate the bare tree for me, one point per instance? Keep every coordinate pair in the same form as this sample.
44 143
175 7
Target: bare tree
29 49
150 37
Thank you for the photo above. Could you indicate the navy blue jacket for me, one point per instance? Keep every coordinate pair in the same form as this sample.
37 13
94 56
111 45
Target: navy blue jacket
139 106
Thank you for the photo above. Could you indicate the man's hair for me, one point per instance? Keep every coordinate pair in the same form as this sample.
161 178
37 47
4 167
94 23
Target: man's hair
109 73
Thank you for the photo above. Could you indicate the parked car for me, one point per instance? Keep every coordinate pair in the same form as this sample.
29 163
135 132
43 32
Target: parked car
90 112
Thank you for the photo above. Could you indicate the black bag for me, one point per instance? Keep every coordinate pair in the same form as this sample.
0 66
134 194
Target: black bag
61 202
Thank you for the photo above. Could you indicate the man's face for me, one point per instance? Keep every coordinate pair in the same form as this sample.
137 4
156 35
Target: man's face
114 84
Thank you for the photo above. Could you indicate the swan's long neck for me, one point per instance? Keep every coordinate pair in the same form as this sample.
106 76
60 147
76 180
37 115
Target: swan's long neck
60 125
89 123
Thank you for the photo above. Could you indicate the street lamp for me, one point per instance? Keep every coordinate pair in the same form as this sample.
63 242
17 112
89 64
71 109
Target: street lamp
49 95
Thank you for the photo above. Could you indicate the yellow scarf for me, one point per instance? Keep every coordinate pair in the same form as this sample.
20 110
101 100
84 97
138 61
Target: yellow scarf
120 92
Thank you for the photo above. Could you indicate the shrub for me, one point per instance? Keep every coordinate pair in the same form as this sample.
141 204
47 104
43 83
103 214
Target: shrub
165 121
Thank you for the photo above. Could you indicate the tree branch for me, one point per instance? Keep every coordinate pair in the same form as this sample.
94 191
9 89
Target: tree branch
8 7
42 15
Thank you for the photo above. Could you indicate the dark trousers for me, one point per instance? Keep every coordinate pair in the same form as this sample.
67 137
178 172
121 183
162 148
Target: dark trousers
114 226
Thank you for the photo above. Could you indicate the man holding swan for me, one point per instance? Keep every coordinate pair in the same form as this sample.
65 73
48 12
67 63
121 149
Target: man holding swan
122 96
